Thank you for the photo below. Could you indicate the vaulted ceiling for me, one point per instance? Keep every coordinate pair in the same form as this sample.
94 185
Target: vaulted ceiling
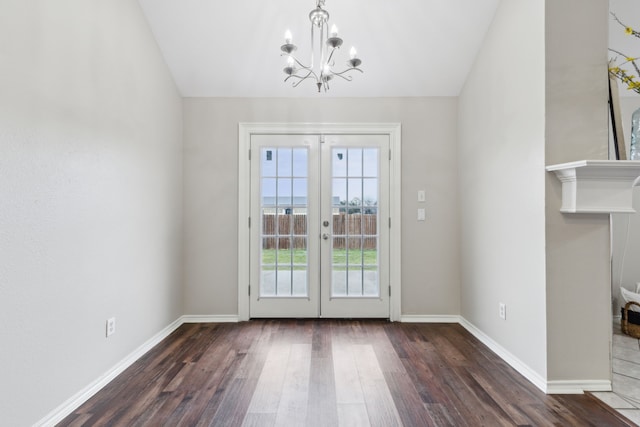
232 48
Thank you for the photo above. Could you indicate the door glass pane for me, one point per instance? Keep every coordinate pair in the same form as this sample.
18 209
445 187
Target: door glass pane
370 162
339 196
285 192
355 194
300 162
268 189
354 163
284 161
299 190
369 194
284 205
268 279
339 162
268 162
354 282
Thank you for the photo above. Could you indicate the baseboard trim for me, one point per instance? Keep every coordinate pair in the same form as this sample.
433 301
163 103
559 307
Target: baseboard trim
411 318
86 393
505 355
577 386
224 318
548 387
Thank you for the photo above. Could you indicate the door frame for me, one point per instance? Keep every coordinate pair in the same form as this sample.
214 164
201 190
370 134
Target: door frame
392 130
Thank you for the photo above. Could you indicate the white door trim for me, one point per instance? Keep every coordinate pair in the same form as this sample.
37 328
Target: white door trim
245 130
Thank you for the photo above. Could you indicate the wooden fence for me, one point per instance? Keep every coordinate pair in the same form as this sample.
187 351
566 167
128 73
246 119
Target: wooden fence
352 230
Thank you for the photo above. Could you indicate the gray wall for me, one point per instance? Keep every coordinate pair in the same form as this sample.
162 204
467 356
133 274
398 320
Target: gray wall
430 282
91 184
501 164
578 255
91 213
552 270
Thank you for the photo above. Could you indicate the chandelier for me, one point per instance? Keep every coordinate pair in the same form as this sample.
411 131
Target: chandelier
327 42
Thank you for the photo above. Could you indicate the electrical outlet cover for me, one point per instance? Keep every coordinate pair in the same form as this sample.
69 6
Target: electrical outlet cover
111 326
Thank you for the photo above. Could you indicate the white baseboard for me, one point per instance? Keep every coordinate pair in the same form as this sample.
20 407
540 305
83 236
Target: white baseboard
577 387
70 405
85 394
549 387
505 355
224 318
411 318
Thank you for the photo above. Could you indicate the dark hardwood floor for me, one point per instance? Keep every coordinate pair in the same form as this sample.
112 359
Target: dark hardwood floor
329 373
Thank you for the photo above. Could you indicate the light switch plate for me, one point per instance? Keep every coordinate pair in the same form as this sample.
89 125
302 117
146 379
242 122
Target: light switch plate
421 196
422 215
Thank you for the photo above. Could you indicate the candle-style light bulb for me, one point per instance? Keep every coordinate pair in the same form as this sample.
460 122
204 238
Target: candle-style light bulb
290 62
288 37
353 53
334 31
326 69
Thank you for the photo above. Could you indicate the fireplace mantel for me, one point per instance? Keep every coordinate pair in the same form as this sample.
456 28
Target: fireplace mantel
597 186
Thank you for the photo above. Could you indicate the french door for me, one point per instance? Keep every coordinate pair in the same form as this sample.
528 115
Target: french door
319 238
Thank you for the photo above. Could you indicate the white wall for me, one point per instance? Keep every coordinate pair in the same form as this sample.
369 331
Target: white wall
578 245
430 249
90 206
501 164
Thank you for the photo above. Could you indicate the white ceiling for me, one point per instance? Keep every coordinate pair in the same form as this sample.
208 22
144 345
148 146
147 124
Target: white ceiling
232 48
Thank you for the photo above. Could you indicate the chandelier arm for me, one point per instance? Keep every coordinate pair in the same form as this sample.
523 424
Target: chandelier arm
295 84
347 78
302 66
297 77
301 78
340 74
331 56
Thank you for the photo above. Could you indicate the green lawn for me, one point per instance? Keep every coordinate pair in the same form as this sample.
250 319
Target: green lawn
356 257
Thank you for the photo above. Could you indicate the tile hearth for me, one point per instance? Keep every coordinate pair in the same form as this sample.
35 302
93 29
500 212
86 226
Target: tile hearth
625 397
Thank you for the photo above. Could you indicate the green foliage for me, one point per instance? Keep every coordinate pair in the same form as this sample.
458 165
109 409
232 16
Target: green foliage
368 257
616 69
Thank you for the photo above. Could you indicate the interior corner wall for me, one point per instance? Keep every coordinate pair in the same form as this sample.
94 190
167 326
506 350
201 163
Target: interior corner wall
430 281
91 185
578 245
501 166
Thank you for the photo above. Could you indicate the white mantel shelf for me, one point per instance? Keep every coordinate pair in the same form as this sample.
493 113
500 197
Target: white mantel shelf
597 186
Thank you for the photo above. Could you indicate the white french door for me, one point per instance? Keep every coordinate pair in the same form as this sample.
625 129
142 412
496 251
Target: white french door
319 237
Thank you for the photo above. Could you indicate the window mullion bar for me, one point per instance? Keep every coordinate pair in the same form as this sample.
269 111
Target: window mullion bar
277 218
362 221
291 228
347 226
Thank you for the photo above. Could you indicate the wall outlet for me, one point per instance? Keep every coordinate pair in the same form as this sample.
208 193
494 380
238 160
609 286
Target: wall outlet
502 311
111 326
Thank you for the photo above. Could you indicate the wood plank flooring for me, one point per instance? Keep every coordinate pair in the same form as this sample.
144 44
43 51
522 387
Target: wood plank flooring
329 373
